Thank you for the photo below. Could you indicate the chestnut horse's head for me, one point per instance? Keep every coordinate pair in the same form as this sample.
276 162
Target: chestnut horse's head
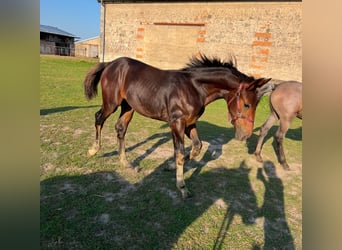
242 106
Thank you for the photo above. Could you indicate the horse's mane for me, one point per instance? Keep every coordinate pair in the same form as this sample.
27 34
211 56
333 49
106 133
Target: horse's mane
203 62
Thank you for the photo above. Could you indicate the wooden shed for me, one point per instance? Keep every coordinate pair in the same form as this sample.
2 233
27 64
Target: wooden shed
264 36
55 41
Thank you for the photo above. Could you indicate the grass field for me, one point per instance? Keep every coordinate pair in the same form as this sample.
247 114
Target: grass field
93 203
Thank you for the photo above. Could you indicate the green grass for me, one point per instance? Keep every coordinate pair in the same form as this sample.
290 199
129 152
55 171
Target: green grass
93 203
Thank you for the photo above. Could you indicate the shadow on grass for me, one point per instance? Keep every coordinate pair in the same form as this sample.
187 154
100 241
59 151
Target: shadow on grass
277 234
64 109
103 210
215 135
292 134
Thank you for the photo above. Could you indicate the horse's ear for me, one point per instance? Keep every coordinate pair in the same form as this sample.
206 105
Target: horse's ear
258 83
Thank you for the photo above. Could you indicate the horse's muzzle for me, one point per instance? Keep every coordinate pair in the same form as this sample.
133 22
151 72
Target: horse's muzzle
242 135
241 138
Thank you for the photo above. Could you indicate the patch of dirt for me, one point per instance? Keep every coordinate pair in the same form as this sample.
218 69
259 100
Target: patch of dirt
173 194
66 128
103 218
220 203
78 132
46 167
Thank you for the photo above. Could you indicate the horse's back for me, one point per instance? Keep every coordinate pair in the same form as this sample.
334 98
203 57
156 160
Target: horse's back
124 72
150 91
286 99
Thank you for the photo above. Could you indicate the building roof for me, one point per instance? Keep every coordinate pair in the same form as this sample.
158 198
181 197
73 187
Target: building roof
178 1
87 39
55 30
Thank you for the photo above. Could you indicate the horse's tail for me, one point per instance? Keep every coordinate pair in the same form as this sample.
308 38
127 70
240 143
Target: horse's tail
265 89
273 110
92 79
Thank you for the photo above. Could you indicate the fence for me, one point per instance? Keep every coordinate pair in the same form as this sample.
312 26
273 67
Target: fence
89 51
56 50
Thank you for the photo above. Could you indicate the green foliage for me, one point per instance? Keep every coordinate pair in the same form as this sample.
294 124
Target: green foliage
94 203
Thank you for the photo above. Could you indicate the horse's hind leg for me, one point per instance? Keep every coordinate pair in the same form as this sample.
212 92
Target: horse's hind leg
121 128
279 137
263 132
191 132
100 118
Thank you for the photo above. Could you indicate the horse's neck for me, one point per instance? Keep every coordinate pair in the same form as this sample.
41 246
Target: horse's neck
217 84
216 96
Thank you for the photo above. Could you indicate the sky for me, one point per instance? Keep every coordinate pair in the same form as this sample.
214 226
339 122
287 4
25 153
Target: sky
78 17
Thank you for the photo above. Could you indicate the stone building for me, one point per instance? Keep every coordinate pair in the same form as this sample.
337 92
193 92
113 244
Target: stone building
264 37
55 41
88 47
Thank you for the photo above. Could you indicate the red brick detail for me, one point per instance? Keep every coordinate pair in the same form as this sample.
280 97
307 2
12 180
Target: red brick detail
261 43
202 32
140 49
255 66
138 56
260 50
201 40
259 59
140 33
179 24
263 35
264 51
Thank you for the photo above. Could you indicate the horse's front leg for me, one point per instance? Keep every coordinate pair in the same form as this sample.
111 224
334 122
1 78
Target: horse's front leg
121 128
177 128
191 132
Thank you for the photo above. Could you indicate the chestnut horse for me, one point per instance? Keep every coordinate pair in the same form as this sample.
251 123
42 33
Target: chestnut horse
285 103
177 97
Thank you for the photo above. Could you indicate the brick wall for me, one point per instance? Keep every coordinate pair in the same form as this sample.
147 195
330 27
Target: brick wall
265 38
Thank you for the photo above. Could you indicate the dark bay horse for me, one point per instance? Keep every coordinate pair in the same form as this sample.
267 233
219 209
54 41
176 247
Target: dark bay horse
177 97
285 103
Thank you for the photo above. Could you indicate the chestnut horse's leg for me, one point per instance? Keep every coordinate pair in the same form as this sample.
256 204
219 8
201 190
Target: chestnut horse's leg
178 128
279 137
191 132
100 118
121 128
263 132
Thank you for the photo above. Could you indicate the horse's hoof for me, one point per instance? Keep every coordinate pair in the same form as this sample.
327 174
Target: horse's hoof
126 164
92 152
137 169
286 166
131 170
194 156
258 157
194 153
185 193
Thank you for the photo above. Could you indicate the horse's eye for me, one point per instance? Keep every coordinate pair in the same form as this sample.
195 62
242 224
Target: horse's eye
246 105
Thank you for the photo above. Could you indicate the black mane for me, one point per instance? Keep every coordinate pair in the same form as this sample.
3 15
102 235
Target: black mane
203 61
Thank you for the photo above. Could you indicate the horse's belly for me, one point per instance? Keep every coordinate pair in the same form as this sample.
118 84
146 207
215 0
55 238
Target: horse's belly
150 109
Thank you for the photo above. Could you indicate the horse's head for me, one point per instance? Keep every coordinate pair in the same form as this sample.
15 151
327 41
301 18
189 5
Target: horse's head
242 106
